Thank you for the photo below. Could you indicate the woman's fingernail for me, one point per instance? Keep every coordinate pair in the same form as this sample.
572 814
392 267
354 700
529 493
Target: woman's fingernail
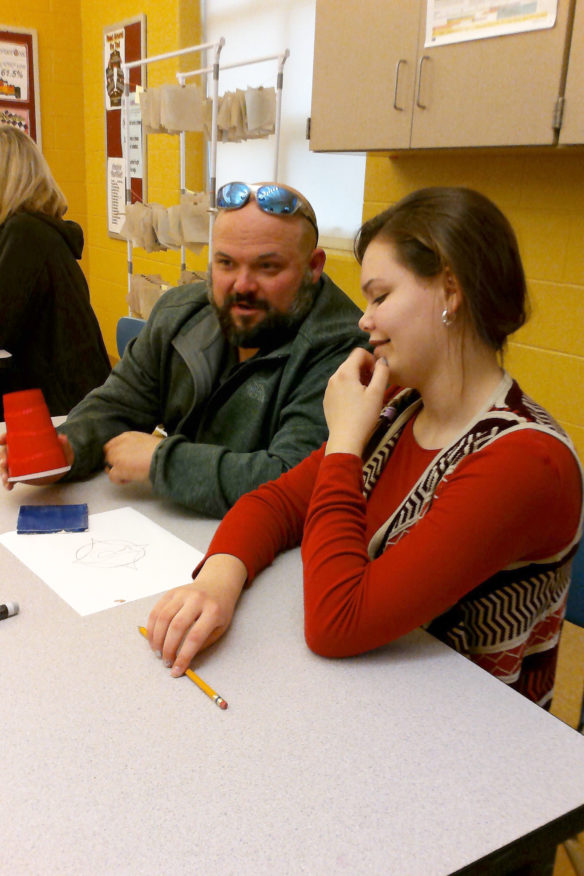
158 654
168 663
175 672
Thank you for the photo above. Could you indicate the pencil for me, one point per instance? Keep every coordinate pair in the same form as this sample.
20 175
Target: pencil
219 701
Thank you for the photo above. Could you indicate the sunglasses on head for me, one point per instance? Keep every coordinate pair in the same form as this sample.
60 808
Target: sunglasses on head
271 198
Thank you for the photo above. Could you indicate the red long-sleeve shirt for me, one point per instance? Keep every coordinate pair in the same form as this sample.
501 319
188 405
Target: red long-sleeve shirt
517 499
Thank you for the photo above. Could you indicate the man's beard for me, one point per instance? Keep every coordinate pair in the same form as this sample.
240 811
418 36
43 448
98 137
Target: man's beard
275 329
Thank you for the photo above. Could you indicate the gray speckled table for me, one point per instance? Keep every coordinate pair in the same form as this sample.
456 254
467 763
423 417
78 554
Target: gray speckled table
409 760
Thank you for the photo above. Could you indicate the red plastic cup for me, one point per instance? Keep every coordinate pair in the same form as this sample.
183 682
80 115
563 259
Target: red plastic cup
32 446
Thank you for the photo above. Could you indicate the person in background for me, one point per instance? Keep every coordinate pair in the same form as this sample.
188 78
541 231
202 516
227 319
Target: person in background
444 497
235 369
47 324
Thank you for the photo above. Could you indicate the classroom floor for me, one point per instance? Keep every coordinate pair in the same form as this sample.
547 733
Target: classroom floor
567 704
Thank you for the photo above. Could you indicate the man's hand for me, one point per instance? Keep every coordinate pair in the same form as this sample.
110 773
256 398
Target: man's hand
128 456
190 618
353 402
38 482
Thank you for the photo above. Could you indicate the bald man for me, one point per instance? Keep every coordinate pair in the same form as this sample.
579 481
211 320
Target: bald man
235 368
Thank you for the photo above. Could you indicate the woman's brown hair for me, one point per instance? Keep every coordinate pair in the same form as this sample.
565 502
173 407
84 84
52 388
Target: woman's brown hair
462 230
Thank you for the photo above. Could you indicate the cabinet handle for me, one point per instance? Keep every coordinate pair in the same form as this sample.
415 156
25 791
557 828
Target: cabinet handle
397 68
419 91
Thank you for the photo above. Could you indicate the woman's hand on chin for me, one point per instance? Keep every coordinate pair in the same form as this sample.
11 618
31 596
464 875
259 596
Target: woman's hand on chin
353 402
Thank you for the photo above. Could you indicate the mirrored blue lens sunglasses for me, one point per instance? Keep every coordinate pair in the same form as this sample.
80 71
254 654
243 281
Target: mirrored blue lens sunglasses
271 198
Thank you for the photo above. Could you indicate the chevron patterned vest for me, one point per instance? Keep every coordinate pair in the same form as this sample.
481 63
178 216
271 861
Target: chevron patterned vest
510 624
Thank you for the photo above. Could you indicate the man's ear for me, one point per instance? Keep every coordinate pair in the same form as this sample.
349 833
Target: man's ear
316 263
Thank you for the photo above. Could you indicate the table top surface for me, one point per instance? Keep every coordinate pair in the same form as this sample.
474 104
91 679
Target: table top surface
406 760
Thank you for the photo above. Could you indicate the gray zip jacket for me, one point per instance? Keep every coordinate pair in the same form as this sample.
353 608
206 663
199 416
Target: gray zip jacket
229 430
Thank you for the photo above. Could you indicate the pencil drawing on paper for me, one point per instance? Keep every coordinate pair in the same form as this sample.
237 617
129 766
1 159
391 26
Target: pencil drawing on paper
110 554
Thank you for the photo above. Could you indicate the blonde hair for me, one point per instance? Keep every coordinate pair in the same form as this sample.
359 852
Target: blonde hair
26 182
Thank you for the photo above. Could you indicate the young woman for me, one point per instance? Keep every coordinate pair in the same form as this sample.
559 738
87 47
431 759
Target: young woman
47 324
450 499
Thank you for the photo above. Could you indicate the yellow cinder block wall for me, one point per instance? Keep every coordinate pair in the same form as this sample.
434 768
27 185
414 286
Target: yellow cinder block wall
542 193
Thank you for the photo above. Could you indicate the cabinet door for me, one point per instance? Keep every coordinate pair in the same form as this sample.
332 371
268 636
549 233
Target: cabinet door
572 130
500 91
363 78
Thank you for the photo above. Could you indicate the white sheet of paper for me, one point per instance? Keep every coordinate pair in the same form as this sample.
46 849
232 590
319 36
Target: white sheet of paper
123 556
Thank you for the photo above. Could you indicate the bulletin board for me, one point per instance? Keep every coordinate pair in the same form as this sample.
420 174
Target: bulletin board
122 43
19 81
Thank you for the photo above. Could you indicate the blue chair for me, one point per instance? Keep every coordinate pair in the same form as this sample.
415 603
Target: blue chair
575 614
128 327
575 605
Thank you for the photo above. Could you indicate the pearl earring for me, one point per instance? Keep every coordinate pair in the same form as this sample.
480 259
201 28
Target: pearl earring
447 318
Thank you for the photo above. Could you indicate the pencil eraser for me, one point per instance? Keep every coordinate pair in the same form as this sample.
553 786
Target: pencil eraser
13 608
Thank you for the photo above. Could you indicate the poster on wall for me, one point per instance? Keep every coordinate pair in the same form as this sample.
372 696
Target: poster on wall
116 194
456 21
19 81
122 43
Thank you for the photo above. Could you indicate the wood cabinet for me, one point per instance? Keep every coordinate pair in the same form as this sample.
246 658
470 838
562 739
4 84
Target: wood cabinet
363 75
572 130
375 85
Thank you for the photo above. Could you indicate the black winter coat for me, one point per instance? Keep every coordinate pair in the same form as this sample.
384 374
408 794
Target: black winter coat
46 319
